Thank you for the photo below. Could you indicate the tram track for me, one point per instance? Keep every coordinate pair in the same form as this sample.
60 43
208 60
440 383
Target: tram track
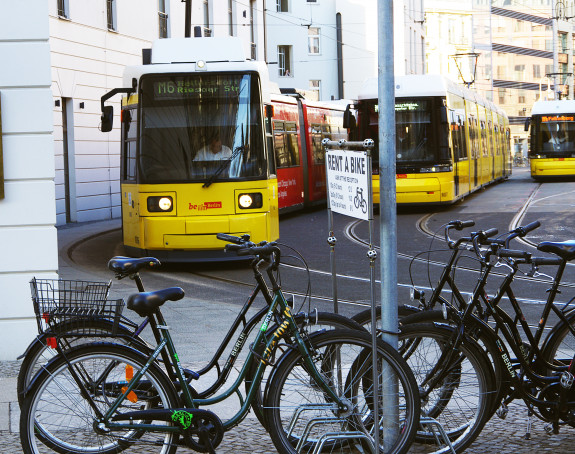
422 227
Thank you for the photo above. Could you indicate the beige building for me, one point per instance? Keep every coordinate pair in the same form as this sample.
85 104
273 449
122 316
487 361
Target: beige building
525 51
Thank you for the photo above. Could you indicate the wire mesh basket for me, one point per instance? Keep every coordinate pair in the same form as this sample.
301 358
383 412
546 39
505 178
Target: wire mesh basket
74 307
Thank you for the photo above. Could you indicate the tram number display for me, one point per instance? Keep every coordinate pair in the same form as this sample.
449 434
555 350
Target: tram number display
348 183
554 118
195 87
412 106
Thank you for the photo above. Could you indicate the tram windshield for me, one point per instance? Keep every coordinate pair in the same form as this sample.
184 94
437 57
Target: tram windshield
201 127
553 135
417 142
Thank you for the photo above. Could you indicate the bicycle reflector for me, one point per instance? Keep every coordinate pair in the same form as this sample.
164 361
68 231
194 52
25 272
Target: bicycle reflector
129 372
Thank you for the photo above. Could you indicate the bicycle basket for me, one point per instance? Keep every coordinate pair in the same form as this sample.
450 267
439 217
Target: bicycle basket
63 306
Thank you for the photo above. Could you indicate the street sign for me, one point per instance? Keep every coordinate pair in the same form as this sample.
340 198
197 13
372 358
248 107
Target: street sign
348 182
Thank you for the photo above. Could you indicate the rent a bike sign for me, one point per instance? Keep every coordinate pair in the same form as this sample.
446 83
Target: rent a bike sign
348 182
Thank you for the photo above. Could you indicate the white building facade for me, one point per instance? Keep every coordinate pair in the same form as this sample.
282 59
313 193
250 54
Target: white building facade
330 47
28 239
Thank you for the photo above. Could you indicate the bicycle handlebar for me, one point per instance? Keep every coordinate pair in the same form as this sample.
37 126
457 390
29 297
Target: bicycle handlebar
242 246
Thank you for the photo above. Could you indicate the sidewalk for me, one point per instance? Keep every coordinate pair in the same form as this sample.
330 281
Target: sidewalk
499 436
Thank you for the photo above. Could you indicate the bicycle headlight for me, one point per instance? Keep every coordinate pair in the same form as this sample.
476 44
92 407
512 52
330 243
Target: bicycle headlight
158 204
250 200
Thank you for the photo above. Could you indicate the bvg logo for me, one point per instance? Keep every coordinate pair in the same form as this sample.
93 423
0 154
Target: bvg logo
204 206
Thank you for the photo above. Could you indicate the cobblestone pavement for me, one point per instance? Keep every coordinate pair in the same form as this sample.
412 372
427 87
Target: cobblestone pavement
499 436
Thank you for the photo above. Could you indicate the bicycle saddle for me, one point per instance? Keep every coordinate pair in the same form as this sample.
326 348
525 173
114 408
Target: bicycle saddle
147 303
124 266
564 249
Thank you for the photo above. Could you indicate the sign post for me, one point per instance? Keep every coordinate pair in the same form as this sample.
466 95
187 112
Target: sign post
349 189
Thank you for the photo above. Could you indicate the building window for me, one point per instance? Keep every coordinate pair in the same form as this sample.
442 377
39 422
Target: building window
313 41
536 71
501 93
520 72
162 19
521 96
254 54
111 13
207 29
282 6
63 9
315 86
284 61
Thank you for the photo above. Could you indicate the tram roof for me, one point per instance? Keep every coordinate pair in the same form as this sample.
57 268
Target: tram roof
181 55
417 85
553 107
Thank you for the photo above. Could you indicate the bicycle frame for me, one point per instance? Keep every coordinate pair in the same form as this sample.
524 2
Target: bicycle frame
165 348
507 326
288 324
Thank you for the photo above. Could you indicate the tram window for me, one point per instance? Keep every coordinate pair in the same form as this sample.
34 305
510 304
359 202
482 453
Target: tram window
317 147
130 161
129 135
285 144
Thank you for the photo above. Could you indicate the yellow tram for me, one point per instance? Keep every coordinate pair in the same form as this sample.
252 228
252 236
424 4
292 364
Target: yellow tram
552 139
449 140
196 150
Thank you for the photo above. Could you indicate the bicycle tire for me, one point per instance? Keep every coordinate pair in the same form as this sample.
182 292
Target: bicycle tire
461 402
559 345
57 417
38 353
321 321
291 380
479 331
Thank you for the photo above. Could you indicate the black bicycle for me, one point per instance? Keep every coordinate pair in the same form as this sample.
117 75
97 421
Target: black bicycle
107 398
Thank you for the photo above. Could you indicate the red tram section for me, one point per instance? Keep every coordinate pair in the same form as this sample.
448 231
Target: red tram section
299 126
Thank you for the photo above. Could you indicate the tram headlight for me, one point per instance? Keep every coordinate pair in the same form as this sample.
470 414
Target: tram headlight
159 204
250 200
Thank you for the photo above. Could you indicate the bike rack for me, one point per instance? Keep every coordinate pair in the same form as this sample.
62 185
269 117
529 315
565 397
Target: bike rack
324 438
430 422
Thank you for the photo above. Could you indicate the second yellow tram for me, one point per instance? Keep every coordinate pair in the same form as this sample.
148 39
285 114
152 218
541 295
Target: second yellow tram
449 140
552 139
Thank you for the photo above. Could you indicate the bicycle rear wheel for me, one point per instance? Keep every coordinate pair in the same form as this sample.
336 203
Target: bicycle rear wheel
39 353
301 418
58 414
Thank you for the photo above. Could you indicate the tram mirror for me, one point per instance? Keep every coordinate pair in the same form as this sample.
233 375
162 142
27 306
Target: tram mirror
348 119
527 123
107 118
269 111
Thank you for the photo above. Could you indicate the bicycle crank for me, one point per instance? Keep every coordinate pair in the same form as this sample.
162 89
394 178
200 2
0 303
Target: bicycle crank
202 430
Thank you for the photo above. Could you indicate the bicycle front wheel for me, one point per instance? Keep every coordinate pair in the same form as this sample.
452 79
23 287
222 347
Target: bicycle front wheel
459 394
60 412
302 418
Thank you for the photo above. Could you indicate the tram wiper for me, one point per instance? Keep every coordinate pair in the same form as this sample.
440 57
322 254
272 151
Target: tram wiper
223 165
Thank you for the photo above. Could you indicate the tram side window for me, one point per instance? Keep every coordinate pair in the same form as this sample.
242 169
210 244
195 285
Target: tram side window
317 147
484 139
129 135
285 144
458 138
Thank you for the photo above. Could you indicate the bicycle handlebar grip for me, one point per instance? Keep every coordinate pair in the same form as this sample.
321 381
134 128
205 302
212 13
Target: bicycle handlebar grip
546 261
460 225
229 238
484 235
512 253
529 227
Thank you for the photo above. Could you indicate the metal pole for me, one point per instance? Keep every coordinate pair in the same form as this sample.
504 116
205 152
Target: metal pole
188 24
387 211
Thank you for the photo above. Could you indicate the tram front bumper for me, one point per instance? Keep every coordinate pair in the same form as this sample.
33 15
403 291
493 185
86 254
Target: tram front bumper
196 234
